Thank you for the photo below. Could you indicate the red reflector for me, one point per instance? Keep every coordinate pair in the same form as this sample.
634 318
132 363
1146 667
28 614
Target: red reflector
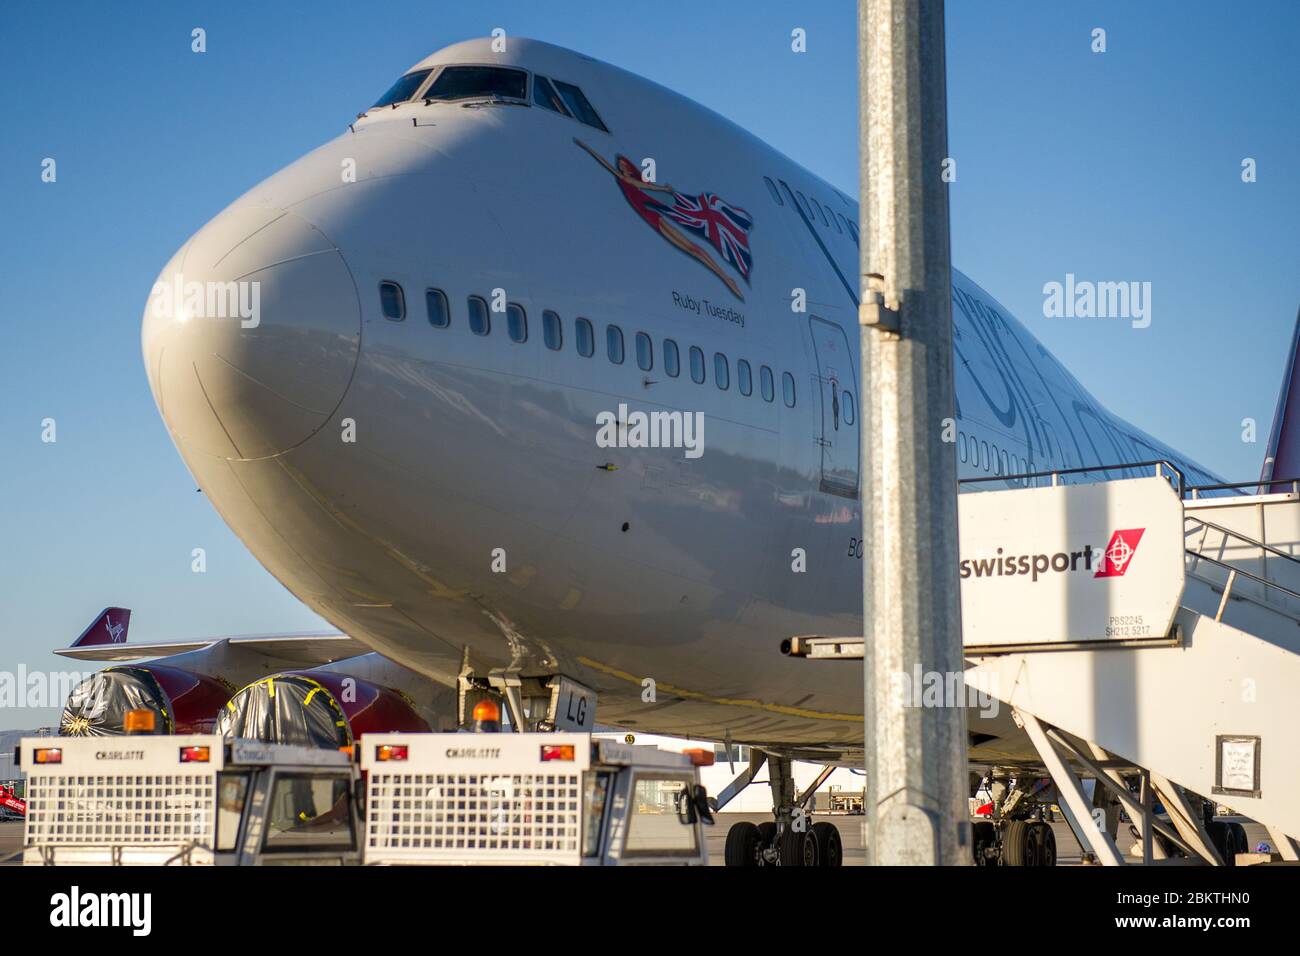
557 752
390 752
195 755
49 755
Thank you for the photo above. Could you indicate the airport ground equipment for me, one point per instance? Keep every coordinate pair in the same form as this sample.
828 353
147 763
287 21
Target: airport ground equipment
1147 636
530 798
187 800
12 807
844 801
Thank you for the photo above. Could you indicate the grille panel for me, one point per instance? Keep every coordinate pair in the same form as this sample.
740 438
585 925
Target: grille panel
68 810
494 815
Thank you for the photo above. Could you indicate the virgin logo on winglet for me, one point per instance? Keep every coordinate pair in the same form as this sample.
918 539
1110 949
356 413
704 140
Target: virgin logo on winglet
1119 553
109 628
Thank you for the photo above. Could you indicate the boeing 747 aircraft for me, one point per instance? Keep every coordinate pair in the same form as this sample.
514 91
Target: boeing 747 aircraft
427 405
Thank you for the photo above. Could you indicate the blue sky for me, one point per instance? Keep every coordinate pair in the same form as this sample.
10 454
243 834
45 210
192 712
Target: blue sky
1116 166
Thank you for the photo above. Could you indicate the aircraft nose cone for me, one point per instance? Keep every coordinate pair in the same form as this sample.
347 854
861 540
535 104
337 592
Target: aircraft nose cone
251 334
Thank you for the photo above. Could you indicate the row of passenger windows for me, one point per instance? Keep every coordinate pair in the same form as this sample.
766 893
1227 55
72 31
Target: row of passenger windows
817 212
392 301
988 457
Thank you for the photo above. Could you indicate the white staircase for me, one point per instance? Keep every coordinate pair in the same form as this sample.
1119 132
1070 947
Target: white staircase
1228 690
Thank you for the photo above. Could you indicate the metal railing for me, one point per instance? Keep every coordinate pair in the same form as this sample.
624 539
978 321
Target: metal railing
1194 492
1159 464
1233 572
1292 485
1228 532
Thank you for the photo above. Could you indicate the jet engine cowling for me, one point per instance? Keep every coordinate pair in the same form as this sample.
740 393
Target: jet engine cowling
316 708
182 701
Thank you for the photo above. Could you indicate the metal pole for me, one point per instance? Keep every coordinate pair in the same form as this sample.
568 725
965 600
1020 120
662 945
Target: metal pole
916 755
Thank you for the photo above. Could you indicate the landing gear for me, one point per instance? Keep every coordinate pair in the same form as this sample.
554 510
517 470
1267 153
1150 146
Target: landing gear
985 843
830 848
767 840
1028 843
742 847
792 839
798 848
1229 838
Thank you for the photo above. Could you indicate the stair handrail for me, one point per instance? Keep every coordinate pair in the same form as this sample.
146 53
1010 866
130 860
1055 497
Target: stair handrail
1240 537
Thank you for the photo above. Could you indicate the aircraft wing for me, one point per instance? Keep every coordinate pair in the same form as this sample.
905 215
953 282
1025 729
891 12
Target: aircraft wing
106 640
309 649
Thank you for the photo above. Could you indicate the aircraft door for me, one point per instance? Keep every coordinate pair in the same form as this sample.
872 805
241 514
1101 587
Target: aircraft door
836 383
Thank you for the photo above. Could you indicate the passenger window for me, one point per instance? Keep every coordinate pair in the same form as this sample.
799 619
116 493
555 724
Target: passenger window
721 371
645 352
516 323
584 337
467 82
984 455
672 361
579 106
787 388
544 95
435 303
776 195
744 378
961 446
849 407
803 201
614 344
697 365
835 220
552 331
480 323
818 210
403 89
765 384
392 301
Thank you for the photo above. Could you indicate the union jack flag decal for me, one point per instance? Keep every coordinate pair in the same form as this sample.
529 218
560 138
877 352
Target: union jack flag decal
726 227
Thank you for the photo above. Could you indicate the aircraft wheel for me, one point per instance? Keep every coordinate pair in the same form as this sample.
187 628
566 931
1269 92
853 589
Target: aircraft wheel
798 849
1229 838
1042 842
742 845
1015 843
766 840
983 835
830 848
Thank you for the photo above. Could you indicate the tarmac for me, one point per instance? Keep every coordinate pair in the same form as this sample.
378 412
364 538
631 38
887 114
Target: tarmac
850 827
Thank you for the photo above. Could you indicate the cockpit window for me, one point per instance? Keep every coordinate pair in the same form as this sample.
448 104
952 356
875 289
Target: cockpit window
403 89
579 106
464 82
544 95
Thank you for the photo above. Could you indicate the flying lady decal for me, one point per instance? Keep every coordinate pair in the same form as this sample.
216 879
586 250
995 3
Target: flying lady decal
672 214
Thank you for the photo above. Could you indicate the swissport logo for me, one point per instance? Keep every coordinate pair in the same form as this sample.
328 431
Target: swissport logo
1119 553
1111 563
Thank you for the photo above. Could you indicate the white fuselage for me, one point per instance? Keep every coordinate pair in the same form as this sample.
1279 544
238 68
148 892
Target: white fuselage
386 471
